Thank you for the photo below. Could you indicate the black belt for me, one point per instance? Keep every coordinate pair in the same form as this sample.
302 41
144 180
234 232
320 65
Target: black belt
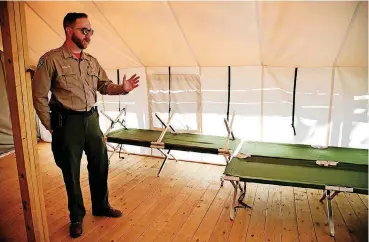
74 112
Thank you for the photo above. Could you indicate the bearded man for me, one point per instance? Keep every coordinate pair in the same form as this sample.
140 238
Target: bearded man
73 77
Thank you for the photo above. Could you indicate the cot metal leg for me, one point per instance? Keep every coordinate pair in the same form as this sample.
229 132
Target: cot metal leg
327 194
332 196
234 203
162 165
164 161
330 212
115 121
243 190
120 151
227 159
242 196
241 204
174 157
323 197
115 148
112 124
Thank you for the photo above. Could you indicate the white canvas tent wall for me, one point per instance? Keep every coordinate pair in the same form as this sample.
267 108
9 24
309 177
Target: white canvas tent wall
6 134
262 42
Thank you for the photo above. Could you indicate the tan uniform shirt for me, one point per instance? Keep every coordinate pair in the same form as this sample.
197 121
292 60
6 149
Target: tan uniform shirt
72 81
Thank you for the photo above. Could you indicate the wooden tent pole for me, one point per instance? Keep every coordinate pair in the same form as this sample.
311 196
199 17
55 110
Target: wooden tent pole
18 86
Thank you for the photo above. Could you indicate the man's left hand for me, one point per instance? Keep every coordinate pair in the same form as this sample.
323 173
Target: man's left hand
131 83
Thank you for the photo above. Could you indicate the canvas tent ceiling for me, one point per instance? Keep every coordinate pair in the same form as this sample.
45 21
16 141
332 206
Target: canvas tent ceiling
219 33
262 41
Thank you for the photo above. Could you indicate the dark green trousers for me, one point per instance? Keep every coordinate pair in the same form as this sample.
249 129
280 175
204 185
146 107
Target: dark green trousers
78 133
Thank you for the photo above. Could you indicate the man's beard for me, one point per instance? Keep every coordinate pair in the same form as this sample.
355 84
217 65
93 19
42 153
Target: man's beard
78 42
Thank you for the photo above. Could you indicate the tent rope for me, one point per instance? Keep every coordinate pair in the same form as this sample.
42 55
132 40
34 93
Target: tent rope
294 102
170 77
118 78
229 91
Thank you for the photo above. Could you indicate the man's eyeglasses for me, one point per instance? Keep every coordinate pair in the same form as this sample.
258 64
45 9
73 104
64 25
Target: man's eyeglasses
86 31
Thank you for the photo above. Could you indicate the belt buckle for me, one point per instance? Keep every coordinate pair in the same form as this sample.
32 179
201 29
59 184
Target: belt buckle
92 110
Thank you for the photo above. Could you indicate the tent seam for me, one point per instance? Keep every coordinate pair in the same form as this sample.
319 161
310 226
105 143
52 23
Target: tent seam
346 34
259 32
44 21
120 37
183 34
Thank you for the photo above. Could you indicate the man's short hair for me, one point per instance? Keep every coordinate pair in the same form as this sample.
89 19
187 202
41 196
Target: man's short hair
71 18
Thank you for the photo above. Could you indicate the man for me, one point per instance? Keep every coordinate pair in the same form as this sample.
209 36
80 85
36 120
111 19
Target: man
73 77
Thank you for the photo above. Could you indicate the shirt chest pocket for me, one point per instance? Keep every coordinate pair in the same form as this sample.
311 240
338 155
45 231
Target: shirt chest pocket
92 78
67 78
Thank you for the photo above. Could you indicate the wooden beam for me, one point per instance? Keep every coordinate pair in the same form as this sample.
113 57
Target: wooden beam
18 85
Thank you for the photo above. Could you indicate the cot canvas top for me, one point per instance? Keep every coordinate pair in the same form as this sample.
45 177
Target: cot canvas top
185 142
305 152
211 144
298 173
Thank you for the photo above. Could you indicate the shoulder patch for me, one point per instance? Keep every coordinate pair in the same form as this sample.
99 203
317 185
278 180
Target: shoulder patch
41 62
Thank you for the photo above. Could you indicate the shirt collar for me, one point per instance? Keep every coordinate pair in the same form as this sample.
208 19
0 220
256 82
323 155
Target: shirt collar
67 53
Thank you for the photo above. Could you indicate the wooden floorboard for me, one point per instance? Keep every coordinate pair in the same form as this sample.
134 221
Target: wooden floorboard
273 224
224 224
304 219
319 216
186 203
239 230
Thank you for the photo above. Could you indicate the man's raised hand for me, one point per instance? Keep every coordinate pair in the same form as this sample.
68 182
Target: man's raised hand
131 83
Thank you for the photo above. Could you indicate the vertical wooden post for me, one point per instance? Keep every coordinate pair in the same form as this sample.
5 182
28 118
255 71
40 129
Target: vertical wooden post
18 85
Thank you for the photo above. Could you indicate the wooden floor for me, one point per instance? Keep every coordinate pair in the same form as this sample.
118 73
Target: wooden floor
185 204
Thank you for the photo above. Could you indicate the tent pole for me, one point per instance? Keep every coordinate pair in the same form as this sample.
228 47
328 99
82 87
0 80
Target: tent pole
18 86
